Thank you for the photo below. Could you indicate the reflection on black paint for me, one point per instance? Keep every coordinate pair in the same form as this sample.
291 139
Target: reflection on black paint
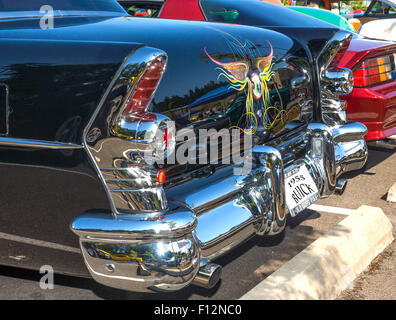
4 109
56 93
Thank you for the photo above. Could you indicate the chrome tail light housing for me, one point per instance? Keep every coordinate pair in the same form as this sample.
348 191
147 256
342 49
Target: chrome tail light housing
123 131
334 80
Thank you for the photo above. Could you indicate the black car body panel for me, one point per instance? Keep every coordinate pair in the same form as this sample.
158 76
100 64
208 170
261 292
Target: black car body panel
55 80
163 34
180 95
64 166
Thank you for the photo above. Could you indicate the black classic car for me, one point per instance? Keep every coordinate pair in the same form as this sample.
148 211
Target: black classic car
104 168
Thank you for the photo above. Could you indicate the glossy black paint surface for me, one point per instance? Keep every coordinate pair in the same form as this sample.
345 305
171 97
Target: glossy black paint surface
41 192
53 80
185 62
56 86
308 30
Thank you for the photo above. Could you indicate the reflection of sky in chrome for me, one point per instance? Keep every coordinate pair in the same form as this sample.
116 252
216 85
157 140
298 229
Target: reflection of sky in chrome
181 246
161 248
139 175
163 226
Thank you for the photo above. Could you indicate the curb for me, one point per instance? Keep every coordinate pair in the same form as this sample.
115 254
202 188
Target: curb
391 197
332 262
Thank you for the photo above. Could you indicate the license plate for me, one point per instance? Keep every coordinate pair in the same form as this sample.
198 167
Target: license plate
301 190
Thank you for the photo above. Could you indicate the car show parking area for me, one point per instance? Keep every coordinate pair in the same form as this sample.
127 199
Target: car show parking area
256 259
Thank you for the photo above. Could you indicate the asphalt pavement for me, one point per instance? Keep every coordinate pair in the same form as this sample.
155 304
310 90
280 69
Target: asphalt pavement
254 260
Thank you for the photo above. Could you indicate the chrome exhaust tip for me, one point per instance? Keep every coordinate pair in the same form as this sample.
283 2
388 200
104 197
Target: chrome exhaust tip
340 186
208 276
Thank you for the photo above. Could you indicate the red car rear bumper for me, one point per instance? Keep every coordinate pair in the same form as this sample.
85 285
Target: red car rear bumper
376 108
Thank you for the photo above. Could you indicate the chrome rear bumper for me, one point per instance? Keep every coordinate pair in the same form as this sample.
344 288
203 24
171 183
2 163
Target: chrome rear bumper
209 216
350 148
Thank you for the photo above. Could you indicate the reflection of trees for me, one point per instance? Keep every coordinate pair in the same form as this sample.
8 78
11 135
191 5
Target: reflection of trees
133 70
44 96
181 101
144 252
235 56
220 56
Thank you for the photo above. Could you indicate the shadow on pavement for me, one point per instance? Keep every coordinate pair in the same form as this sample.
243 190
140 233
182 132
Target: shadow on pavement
250 255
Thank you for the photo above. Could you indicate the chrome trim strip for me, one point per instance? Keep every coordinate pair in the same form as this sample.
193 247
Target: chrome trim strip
177 223
39 144
132 190
30 14
39 243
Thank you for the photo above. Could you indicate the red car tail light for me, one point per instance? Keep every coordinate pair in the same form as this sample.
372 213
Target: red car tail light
161 177
144 90
375 71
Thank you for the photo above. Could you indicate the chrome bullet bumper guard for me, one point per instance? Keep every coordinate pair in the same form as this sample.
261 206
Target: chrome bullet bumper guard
209 216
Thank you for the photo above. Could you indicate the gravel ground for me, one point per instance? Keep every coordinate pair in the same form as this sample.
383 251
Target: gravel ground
378 281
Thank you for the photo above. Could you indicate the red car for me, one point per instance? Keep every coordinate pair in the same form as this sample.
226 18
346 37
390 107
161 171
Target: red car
373 99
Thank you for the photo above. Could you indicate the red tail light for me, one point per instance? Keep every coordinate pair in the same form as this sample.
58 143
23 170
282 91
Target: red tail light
161 177
153 133
375 71
144 90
